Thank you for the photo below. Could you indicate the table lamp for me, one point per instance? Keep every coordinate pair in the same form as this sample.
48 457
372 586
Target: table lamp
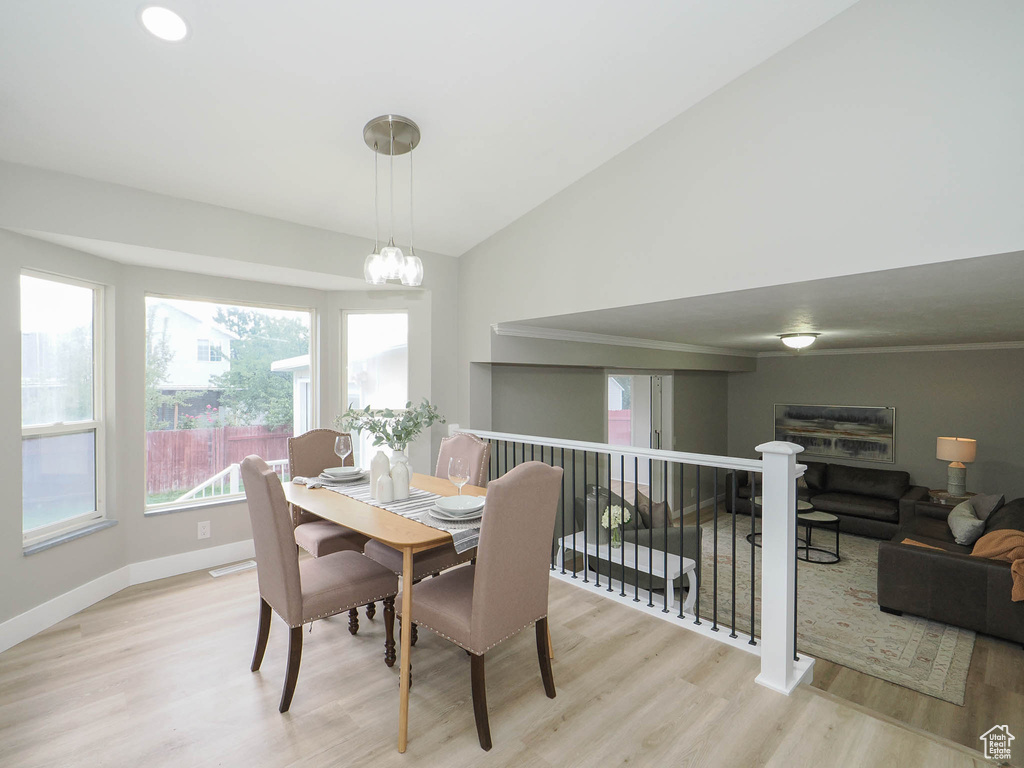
956 450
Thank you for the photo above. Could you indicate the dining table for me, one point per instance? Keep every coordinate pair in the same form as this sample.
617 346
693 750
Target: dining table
401 533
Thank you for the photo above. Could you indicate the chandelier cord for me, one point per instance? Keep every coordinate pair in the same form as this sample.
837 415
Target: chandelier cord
376 210
391 184
412 248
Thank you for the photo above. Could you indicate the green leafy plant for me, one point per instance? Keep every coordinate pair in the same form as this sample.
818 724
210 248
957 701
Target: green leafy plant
391 427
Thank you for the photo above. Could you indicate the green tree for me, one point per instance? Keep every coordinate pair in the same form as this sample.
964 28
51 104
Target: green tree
251 391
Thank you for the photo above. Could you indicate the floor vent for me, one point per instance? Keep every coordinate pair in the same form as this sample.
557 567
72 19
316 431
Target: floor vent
236 568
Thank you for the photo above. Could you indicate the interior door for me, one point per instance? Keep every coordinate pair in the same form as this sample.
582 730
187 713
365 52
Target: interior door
639 415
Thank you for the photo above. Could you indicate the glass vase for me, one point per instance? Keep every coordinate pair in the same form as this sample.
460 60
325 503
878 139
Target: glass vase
616 537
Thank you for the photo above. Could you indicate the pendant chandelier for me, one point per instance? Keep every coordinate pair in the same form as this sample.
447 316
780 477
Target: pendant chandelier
392 135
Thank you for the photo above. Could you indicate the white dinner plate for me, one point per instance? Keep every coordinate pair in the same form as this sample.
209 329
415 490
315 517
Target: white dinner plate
460 505
440 514
349 477
342 471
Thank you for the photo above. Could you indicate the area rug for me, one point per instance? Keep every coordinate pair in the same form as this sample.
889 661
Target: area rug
838 616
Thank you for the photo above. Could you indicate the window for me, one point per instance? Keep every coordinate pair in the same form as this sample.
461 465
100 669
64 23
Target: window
377 363
61 411
222 381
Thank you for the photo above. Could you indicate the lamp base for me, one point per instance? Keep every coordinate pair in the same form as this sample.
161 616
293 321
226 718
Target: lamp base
956 479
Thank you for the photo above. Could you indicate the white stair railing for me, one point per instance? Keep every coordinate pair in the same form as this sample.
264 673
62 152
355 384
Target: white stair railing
227 482
778 470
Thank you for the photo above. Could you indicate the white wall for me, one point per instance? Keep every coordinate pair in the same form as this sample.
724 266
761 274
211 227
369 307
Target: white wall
33 580
888 137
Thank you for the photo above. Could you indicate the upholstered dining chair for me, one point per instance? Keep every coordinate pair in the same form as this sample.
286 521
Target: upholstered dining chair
309 454
477 453
302 592
478 606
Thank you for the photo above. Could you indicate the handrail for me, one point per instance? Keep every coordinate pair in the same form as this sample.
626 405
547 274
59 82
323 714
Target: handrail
657 454
232 473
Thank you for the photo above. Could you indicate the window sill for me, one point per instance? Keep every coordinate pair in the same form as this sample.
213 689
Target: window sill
156 512
63 538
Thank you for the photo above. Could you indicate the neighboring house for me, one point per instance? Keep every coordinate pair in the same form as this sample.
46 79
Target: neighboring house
200 349
298 367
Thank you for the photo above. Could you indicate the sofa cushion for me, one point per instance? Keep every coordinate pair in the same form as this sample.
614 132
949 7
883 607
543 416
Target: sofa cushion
964 524
879 483
931 527
815 474
1010 516
985 504
743 492
857 506
654 516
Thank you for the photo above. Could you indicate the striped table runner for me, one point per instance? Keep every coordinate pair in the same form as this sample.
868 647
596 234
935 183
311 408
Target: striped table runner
416 507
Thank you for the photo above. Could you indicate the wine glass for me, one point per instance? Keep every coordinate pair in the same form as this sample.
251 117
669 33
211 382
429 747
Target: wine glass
458 472
343 447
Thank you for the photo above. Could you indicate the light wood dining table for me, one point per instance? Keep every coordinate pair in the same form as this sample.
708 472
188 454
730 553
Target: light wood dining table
401 533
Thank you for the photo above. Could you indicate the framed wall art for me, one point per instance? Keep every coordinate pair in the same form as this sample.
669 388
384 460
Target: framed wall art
864 433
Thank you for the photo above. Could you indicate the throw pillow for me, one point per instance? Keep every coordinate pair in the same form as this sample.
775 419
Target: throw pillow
985 505
654 516
964 524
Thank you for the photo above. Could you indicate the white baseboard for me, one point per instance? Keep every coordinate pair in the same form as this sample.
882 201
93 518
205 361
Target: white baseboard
35 620
709 502
186 562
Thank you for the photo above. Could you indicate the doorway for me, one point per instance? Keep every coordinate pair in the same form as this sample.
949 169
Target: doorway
638 414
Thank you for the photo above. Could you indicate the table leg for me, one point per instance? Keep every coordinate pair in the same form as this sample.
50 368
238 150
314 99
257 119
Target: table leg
403 678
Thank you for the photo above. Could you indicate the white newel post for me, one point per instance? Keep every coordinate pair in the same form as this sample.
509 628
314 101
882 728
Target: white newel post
778 563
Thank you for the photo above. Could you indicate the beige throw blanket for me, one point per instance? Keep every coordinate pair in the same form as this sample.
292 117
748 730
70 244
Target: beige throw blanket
1008 546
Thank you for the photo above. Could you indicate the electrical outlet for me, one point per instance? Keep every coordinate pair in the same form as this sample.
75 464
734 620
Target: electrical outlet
204 529
693 492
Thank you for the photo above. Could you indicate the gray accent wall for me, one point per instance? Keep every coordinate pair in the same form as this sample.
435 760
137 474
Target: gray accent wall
974 393
567 403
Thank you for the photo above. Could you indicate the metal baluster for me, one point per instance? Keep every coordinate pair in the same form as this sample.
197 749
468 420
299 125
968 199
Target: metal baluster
574 573
697 566
597 520
586 519
753 555
636 529
531 452
664 501
561 458
734 491
622 546
650 544
682 535
610 563
714 577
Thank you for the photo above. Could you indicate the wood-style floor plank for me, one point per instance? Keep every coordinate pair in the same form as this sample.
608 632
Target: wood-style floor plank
158 675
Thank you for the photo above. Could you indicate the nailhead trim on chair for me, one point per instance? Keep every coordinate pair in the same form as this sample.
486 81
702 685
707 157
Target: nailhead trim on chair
346 608
485 650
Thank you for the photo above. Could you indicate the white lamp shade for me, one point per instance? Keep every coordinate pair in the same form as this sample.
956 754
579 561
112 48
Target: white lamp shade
412 271
956 449
393 260
373 270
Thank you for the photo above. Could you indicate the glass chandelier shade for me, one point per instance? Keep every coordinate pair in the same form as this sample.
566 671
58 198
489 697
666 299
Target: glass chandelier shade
392 135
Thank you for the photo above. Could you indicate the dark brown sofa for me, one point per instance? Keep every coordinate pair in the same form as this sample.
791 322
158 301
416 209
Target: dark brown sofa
868 502
948 584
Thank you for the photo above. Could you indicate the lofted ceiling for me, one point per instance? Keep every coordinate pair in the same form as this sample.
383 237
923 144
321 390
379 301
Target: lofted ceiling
261 109
967 302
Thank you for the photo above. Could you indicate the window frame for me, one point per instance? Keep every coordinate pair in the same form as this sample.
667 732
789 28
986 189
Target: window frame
96 425
314 401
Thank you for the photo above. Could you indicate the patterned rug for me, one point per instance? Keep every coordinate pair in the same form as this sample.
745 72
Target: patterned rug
838 616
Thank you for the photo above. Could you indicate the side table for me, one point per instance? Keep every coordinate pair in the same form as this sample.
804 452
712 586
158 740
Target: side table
814 520
939 496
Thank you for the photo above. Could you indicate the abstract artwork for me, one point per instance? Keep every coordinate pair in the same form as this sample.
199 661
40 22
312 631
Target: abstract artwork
857 432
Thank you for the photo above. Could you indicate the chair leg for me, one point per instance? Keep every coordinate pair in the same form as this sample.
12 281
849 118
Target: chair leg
389 631
483 729
292 673
262 633
415 635
353 620
544 657
371 610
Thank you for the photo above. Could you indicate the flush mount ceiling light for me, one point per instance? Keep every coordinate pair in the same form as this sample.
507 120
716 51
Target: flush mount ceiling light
392 135
798 340
164 23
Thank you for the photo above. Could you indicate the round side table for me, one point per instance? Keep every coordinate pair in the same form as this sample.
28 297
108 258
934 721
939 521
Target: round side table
755 536
813 554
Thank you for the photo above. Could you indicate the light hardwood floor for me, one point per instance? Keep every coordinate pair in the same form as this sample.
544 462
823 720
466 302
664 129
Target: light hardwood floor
158 675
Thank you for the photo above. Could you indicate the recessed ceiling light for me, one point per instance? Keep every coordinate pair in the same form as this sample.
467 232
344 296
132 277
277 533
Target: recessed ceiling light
798 340
164 23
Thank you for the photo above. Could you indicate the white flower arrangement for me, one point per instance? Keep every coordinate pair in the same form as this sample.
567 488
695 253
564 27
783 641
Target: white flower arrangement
617 516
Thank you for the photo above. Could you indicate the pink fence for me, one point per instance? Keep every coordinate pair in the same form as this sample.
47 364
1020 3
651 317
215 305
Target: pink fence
619 430
179 459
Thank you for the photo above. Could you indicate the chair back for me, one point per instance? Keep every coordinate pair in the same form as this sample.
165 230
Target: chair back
475 451
311 453
277 557
510 587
